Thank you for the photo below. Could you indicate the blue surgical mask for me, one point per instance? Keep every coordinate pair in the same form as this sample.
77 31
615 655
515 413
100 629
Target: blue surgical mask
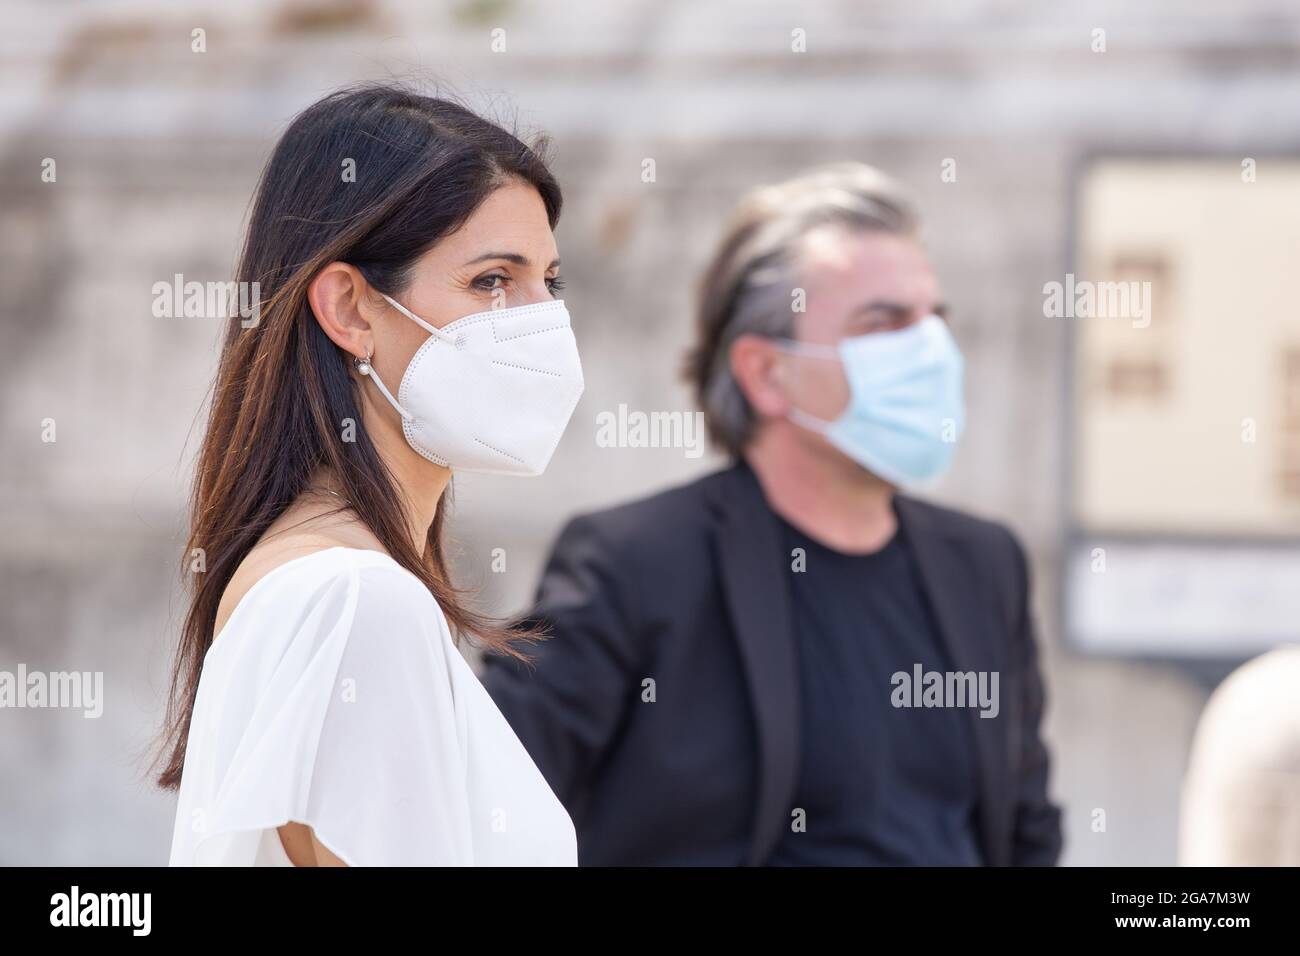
905 410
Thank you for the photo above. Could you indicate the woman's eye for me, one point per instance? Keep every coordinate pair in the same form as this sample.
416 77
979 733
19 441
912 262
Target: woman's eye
555 284
489 283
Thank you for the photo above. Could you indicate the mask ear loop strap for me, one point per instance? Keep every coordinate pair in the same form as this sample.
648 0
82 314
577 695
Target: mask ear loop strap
431 329
365 368
809 422
809 350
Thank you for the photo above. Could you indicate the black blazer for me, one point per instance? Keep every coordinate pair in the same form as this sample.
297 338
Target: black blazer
664 708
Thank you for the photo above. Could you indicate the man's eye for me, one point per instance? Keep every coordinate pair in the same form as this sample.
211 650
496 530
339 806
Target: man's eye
879 325
890 323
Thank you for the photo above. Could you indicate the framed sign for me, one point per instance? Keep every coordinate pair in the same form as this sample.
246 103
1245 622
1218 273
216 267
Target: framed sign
1184 497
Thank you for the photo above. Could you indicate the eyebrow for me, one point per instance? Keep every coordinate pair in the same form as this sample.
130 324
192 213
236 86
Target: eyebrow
514 257
939 308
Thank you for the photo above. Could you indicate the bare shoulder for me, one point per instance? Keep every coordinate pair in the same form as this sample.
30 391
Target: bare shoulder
273 551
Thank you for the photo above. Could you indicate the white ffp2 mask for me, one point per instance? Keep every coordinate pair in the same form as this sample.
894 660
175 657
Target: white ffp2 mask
491 392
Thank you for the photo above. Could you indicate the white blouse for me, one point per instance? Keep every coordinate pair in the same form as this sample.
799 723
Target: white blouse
335 697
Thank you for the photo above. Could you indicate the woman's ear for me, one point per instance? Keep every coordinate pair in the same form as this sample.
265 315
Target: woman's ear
337 297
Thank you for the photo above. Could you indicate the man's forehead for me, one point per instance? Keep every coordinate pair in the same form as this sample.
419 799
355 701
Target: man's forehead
835 247
878 259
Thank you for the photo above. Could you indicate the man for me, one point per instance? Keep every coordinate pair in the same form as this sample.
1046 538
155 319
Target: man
787 662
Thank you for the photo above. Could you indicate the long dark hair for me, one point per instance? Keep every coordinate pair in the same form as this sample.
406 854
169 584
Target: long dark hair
283 389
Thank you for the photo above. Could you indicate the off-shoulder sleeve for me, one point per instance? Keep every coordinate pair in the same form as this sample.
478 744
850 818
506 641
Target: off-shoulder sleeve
331 707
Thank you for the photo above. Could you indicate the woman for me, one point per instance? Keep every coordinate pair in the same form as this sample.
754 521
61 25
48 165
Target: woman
320 712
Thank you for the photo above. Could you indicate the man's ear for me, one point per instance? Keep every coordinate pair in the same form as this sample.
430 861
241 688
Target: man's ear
758 369
338 299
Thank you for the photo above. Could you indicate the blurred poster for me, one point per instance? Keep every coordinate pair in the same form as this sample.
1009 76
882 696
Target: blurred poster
1185 497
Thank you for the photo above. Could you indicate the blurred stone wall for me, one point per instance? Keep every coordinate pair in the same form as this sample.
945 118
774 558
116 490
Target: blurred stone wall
157 151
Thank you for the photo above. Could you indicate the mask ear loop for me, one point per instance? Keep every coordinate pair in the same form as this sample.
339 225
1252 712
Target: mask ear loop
364 367
431 329
808 350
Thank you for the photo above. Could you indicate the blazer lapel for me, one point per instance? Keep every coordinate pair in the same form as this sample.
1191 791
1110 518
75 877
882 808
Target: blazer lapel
752 560
952 587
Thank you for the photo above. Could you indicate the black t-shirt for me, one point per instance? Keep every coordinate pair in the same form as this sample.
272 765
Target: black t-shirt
879 785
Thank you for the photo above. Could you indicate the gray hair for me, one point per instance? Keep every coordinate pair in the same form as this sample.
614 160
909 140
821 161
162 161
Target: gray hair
748 286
